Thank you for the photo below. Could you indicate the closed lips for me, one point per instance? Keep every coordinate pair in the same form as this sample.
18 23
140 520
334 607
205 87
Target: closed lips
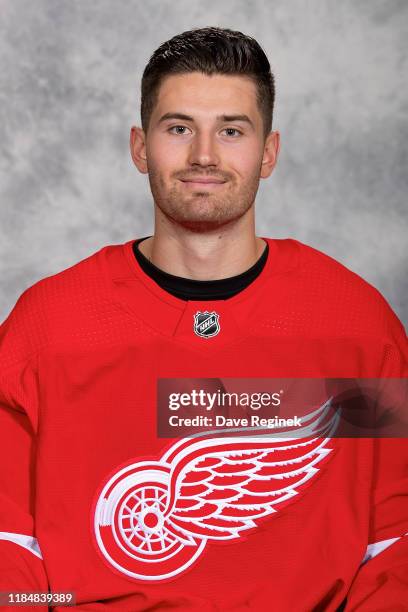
202 180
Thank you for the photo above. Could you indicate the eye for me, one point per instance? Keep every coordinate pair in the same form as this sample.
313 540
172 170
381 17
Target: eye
178 129
232 132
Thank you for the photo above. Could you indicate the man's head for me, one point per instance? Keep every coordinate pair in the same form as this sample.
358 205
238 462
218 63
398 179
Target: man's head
207 103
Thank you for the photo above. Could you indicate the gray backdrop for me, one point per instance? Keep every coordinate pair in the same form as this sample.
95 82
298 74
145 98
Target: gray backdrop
69 92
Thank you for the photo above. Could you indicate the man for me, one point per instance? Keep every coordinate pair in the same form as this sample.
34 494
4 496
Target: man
94 501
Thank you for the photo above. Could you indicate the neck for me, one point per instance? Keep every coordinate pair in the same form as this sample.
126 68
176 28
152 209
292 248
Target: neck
221 253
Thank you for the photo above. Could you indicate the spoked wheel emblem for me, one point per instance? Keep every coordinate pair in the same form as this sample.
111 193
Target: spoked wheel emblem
141 520
131 527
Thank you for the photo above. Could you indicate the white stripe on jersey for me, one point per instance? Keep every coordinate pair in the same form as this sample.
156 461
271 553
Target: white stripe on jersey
25 541
377 547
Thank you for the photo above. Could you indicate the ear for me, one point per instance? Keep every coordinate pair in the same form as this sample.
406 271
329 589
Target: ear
138 148
270 155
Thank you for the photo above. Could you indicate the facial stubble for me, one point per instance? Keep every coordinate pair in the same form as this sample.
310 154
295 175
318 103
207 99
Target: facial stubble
203 211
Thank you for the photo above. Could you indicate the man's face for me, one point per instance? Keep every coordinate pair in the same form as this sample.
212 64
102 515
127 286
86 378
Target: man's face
204 149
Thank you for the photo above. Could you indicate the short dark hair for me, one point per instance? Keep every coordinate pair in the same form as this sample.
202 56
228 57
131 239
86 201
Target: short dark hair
210 50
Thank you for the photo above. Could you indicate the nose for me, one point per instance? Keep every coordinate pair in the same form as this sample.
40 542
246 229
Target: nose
203 151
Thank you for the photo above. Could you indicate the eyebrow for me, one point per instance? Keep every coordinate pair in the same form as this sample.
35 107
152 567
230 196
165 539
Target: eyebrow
227 118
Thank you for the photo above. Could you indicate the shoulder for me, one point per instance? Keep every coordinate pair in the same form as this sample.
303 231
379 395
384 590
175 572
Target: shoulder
50 308
335 299
336 279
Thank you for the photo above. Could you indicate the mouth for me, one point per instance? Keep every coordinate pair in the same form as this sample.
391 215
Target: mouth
203 183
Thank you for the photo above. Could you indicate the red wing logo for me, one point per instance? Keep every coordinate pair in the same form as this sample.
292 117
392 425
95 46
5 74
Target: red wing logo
153 519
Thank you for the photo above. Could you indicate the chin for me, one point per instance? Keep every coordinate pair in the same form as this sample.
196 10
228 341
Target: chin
202 227
204 223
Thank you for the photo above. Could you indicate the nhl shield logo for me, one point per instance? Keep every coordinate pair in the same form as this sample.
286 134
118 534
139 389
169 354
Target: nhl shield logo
206 324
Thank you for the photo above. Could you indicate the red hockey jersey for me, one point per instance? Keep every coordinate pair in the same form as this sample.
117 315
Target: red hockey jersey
94 502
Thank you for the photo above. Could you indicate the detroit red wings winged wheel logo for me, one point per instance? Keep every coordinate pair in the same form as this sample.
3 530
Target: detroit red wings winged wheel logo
153 519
